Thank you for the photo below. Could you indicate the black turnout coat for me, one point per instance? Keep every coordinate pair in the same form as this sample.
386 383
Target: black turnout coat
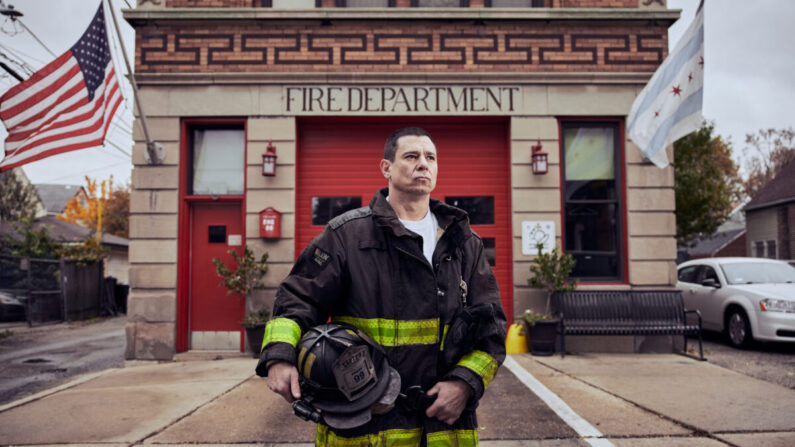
368 270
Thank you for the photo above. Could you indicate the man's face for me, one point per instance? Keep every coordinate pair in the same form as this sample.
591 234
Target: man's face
414 169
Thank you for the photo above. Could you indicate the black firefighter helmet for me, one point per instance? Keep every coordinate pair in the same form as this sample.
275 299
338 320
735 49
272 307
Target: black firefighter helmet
344 376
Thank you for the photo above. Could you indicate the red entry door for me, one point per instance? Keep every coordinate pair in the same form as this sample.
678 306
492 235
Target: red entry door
215 318
338 170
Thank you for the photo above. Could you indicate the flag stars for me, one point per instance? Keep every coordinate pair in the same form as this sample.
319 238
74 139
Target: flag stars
690 78
676 91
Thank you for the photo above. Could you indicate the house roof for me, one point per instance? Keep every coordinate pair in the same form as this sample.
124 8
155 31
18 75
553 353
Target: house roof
65 232
779 190
718 240
54 197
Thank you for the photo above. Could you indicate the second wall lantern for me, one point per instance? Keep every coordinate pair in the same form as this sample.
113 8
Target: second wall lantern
539 158
269 160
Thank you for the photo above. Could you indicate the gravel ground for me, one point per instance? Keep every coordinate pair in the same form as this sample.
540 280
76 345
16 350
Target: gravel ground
772 362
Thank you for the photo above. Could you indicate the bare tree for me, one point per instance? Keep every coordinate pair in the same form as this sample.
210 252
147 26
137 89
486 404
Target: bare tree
766 152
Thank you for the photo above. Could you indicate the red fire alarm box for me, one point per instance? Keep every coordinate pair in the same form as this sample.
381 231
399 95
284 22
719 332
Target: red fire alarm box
270 223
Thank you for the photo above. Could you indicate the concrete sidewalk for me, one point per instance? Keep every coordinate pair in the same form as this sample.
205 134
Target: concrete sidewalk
622 400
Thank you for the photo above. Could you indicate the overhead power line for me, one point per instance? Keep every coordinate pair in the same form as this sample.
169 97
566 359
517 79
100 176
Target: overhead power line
36 37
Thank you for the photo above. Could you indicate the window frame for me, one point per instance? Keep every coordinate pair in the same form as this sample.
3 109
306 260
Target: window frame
619 166
189 154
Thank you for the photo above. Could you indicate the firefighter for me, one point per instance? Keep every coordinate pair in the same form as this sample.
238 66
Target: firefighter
408 271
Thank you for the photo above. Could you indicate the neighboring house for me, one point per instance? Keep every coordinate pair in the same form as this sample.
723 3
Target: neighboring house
116 264
770 218
728 240
55 197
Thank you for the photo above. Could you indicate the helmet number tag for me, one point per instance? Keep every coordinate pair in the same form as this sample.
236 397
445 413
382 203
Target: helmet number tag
354 372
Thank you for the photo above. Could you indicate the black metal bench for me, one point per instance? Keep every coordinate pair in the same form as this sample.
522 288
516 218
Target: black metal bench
625 312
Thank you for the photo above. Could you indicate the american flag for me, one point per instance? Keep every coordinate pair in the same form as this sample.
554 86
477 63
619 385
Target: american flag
65 106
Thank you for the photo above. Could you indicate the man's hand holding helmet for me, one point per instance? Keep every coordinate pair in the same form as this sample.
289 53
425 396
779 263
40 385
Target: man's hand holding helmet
283 380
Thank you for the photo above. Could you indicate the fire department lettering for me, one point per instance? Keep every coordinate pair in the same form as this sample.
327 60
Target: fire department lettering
401 99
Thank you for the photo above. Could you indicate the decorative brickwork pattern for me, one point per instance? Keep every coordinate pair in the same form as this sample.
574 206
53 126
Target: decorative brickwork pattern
212 3
598 3
403 3
431 47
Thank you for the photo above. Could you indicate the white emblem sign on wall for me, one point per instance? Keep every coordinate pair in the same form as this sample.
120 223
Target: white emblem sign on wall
535 232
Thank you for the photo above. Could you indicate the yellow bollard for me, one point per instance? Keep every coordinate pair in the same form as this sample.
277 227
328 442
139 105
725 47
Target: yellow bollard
516 341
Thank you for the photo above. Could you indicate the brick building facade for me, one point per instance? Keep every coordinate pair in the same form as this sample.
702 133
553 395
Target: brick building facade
221 80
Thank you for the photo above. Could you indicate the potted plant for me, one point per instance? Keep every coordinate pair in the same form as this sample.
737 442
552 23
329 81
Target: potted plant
550 272
244 279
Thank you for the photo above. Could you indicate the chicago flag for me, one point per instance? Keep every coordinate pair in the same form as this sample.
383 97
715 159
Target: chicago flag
65 106
669 107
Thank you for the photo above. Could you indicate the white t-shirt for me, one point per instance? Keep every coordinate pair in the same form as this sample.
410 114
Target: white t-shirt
427 228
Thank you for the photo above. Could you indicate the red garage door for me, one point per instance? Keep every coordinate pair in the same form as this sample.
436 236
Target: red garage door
337 170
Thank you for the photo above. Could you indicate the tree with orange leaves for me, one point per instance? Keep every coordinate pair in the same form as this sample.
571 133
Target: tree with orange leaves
100 206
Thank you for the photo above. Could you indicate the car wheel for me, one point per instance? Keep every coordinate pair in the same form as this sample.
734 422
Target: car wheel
738 329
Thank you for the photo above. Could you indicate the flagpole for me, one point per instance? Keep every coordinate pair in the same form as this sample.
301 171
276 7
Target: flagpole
153 149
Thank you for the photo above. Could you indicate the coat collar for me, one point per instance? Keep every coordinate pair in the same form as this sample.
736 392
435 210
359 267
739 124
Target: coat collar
449 217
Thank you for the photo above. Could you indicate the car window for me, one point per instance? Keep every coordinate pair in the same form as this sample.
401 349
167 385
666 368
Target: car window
758 272
688 274
709 273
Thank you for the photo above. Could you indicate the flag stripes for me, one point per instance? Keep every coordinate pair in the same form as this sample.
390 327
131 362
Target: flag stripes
65 106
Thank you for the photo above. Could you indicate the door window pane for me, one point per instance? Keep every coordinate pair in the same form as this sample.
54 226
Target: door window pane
326 208
216 234
217 161
480 209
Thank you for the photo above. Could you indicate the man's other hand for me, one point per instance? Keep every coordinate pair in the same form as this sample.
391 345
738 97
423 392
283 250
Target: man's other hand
451 398
283 380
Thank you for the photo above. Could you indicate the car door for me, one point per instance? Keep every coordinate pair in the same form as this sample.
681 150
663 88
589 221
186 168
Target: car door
707 298
687 277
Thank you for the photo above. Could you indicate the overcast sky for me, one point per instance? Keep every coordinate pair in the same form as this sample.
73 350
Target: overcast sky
749 72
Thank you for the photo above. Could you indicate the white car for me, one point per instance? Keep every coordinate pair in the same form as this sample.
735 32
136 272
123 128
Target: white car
747 298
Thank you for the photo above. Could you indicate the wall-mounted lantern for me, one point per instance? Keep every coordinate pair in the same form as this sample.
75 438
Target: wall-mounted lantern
539 159
269 160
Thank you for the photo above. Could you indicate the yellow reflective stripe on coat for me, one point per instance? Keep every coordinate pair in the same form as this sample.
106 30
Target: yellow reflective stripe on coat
395 332
453 438
282 329
387 438
444 336
482 364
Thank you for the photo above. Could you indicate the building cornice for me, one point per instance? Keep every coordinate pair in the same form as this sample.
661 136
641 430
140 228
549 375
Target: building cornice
284 78
142 16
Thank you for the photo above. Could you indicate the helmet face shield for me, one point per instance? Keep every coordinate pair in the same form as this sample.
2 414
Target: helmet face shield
354 372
